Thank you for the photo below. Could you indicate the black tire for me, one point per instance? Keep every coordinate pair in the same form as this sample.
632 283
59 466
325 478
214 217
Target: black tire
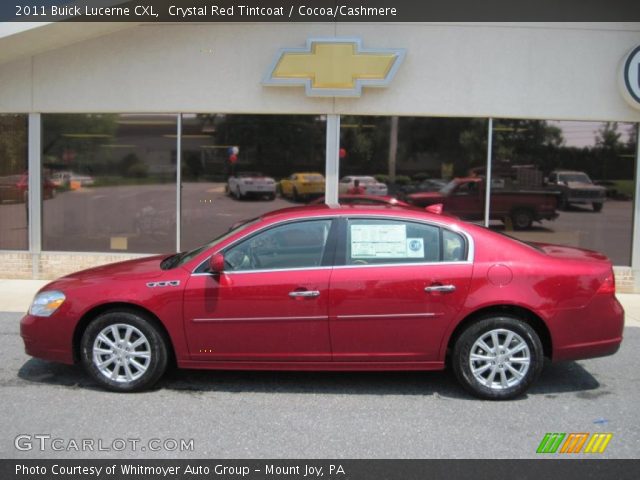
239 195
271 197
522 219
505 324
158 357
597 206
296 196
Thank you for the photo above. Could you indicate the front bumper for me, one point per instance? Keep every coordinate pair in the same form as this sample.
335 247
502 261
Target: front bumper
46 338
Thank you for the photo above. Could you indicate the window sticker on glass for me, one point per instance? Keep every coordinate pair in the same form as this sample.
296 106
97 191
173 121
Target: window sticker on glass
375 241
415 248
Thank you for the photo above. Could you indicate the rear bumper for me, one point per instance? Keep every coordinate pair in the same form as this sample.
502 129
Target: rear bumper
44 339
593 331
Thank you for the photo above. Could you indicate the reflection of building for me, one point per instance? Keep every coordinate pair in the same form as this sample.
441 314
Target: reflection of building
174 109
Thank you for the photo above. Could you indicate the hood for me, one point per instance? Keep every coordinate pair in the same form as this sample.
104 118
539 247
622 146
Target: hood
585 186
436 196
148 267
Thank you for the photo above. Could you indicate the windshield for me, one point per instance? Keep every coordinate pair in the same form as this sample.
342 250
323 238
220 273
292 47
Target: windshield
184 257
575 177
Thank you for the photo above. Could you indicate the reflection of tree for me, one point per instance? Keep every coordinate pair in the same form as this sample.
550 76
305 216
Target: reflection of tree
424 144
526 142
79 135
275 144
13 144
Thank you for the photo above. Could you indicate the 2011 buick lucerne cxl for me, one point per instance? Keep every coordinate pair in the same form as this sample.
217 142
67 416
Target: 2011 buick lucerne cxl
344 288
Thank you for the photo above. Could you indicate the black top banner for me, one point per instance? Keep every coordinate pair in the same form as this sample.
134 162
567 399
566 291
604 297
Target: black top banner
320 11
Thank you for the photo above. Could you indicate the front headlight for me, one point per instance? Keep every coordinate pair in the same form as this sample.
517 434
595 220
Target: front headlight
45 303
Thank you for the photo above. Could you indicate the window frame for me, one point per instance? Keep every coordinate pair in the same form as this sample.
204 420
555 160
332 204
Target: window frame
328 256
341 248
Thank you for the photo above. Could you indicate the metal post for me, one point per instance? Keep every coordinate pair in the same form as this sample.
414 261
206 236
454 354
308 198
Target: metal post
178 182
487 181
393 148
332 168
34 195
635 249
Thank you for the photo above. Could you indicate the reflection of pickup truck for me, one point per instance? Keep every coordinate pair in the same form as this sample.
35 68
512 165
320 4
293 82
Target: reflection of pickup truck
577 187
465 198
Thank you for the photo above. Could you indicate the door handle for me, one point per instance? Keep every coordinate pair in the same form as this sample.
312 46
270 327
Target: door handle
304 293
440 288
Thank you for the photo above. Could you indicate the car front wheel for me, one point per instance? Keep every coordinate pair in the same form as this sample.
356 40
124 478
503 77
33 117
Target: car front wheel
498 357
123 351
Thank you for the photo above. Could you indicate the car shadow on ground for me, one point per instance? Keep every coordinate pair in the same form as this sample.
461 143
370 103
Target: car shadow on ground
556 379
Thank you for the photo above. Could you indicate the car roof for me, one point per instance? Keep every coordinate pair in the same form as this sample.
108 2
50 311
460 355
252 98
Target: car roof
389 210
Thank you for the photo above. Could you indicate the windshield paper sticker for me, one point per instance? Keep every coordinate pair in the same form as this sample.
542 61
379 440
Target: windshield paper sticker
384 241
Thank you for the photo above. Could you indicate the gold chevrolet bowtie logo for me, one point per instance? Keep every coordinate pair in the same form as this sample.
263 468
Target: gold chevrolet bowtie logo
337 67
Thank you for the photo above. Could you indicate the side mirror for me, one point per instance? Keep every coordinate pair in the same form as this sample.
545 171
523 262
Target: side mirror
216 263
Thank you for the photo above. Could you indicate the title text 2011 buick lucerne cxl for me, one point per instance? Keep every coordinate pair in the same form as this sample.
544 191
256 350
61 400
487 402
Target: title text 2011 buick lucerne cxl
345 288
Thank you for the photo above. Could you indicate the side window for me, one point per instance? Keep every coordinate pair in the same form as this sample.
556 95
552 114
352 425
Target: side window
293 245
453 247
377 241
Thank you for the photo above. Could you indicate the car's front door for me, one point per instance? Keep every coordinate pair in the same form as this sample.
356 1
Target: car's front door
270 303
400 285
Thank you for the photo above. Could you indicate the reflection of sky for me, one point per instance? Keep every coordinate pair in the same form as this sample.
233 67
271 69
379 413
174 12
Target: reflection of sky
583 134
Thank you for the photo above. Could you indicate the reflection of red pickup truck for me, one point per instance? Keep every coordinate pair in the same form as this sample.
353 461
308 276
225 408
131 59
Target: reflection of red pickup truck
465 198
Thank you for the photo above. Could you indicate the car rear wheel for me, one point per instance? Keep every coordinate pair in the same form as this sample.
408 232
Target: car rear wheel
123 351
498 357
596 206
522 219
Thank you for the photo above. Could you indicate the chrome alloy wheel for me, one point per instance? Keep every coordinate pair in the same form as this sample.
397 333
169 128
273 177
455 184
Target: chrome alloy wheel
121 353
500 359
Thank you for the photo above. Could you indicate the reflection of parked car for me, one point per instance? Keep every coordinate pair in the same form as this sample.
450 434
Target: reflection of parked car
465 198
427 185
64 179
367 200
612 191
411 291
251 184
577 187
14 188
370 185
302 186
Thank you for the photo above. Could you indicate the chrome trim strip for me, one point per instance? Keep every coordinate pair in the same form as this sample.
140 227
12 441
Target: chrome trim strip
253 319
409 315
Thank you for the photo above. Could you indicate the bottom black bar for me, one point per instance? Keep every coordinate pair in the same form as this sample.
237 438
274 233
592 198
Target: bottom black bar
547 469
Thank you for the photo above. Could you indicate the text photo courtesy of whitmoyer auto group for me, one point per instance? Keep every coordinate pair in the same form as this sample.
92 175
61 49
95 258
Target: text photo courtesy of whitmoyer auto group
319 239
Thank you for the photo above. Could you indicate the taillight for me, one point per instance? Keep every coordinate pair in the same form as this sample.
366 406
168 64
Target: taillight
609 285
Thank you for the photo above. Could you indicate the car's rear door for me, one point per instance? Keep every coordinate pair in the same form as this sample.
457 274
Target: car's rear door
270 303
399 286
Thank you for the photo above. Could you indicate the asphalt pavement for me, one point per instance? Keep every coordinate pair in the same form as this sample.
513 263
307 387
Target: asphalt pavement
310 415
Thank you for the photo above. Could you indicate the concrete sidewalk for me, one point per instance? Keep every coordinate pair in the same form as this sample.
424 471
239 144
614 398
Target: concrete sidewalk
16 296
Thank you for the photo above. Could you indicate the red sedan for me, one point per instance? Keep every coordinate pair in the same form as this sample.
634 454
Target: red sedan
345 288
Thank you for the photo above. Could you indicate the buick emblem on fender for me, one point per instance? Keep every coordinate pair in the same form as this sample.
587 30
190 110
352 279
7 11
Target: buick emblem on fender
630 77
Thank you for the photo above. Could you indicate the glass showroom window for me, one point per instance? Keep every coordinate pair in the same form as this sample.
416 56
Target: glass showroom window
115 178
565 182
419 160
237 167
14 180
